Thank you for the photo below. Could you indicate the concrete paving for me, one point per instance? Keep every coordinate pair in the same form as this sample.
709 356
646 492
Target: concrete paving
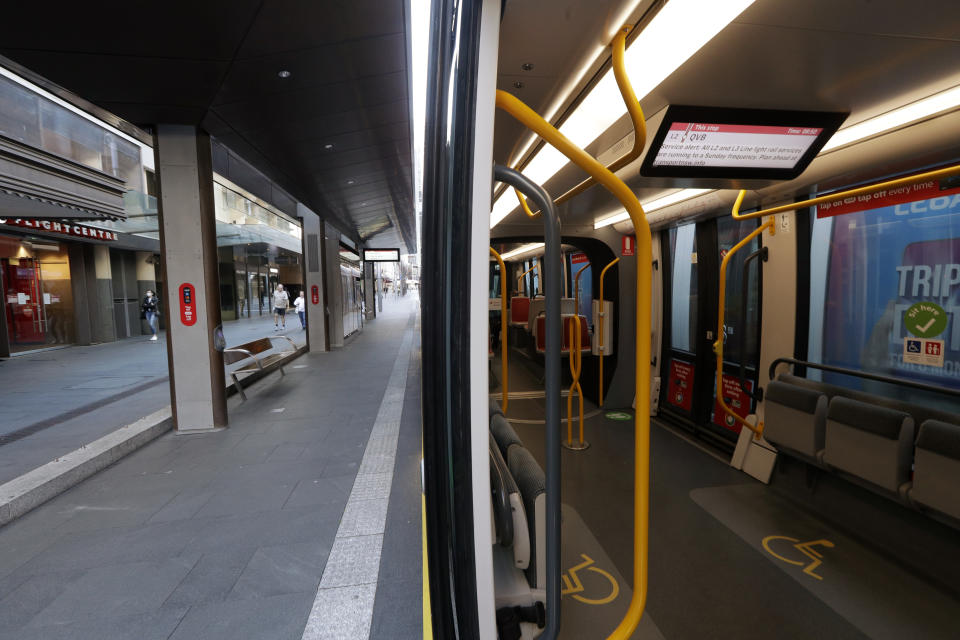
227 534
56 401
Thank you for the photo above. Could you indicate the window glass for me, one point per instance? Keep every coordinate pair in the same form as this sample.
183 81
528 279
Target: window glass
737 328
886 281
19 113
683 316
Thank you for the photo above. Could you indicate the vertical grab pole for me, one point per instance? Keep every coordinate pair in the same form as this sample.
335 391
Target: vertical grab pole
600 338
576 365
503 329
552 327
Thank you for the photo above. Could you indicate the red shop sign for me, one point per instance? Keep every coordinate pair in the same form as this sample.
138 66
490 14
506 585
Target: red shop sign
908 199
629 247
680 387
737 399
188 304
315 294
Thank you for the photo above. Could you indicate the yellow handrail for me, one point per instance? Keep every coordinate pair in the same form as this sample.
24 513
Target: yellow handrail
849 193
503 329
618 47
576 363
641 493
520 279
603 315
718 345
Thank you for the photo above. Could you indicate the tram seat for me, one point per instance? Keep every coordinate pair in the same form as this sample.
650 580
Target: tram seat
796 419
515 534
533 486
538 305
495 408
870 443
936 469
539 334
519 311
504 434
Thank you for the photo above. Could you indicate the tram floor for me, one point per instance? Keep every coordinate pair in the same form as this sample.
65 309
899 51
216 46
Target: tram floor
710 574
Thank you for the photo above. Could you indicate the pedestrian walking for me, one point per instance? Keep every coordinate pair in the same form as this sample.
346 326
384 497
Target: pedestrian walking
280 303
301 306
148 310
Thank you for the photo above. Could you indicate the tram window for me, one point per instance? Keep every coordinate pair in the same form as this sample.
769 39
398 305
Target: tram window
729 233
868 268
683 317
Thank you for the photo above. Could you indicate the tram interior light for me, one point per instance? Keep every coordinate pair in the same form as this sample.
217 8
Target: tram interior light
652 205
521 250
680 29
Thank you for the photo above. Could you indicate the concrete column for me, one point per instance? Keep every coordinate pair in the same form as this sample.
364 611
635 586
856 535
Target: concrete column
313 277
334 286
369 291
188 245
103 325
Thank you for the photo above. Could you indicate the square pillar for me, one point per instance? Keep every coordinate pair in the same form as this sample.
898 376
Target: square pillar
335 286
191 297
314 290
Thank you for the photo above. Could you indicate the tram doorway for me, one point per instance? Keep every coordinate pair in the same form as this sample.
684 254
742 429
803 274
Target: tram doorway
693 254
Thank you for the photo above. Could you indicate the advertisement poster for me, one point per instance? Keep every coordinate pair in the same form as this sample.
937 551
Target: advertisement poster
680 388
893 275
737 399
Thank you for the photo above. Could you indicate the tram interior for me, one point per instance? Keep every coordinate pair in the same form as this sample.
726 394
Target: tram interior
848 504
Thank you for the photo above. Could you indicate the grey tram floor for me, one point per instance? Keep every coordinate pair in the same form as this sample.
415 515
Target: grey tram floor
226 535
66 398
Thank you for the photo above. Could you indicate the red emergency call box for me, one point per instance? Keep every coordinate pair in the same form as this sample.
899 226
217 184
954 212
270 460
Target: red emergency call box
188 304
315 294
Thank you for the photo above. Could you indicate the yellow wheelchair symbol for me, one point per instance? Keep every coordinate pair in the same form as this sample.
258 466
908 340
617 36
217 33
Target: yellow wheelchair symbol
813 558
573 586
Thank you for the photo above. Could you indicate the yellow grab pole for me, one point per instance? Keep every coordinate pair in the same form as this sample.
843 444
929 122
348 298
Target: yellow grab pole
503 329
603 315
718 345
520 279
641 488
576 365
523 203
849 193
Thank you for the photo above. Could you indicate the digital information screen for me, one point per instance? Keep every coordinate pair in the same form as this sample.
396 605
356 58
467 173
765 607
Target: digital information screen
381 255
741 144
695 144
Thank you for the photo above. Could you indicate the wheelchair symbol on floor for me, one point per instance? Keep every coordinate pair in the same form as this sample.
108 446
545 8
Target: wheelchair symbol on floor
813 558
572 584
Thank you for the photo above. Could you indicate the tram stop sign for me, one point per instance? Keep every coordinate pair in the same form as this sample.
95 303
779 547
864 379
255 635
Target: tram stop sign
925 319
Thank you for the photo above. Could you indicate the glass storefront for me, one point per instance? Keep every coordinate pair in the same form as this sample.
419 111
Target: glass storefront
35 276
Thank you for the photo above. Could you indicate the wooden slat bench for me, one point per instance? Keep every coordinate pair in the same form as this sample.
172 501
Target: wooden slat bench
252 350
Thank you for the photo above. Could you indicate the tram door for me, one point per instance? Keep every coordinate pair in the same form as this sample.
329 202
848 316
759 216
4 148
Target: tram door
691 293
25 312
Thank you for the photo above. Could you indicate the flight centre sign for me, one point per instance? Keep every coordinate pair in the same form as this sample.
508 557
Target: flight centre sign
60 228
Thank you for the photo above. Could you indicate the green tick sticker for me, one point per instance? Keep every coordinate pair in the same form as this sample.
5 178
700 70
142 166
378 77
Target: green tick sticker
618 415
925 319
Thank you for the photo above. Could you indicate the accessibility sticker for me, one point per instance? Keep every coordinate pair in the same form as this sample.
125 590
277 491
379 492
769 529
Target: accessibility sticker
925 319
923 351
621 416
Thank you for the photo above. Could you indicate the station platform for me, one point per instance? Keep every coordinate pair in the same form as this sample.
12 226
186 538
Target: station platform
57 400
300 520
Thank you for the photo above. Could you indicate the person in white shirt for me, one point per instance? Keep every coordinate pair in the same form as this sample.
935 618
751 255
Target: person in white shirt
301 306
280 303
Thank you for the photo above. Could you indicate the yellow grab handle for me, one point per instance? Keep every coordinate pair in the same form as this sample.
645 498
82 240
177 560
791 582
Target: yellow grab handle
849 193
600 330
641 493
503 329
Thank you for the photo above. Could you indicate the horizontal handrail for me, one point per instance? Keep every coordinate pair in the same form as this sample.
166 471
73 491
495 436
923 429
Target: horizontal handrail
862 374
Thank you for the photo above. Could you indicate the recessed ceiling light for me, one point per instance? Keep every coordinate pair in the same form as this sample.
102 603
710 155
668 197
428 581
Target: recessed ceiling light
363 204
349 181
284 74
518 84
527 66
328 146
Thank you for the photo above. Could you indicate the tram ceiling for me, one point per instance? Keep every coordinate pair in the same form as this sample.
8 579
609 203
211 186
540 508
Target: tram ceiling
313 94
866 58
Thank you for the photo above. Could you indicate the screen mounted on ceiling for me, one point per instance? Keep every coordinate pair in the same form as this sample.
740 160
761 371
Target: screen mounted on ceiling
706 142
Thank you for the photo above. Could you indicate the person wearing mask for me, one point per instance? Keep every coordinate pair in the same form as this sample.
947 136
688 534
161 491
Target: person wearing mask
149 309
280 303
301 306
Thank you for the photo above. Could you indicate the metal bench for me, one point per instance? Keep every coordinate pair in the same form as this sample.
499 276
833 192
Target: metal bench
252 350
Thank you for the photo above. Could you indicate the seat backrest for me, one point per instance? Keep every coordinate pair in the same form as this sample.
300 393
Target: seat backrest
537 306
504 434
795 417
255 347
495 408
514 535
870 442
519 309
584 333
568 306
936 469
533 486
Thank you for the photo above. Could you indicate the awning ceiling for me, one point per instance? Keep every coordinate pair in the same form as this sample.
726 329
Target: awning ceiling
334 131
